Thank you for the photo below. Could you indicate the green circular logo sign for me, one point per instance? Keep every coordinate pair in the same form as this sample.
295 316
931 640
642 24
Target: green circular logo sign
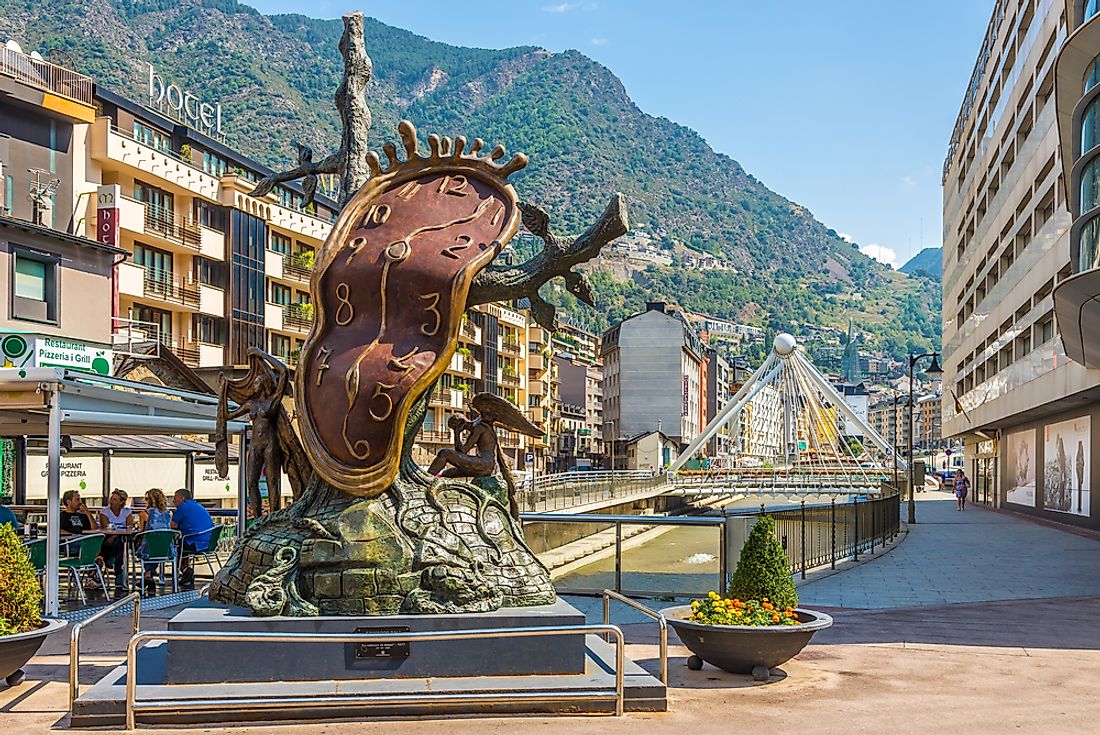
14 346
101 366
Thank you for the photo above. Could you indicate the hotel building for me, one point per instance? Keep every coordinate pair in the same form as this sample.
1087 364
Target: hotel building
1019 390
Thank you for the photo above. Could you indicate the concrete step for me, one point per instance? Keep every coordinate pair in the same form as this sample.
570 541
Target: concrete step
103 705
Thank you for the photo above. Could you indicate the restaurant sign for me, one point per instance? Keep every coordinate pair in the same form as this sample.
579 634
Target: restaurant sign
23 350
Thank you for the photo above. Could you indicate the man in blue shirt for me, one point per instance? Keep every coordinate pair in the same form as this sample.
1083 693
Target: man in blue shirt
194 524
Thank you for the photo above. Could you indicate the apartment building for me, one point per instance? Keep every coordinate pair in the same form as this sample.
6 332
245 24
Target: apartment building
654 377
1025 407
502 351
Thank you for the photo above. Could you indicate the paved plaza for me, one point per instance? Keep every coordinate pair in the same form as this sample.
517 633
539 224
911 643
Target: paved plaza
979 621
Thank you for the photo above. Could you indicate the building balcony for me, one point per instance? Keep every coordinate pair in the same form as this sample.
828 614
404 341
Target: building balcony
1077 306
188 352
236 191
135 281
298 317
273 316
535 361
427 436
211 300
465 365
298 267
113 147
513 380
510 348
164 228
469 332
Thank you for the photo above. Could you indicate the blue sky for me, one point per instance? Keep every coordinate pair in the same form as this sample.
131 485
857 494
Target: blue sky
843 106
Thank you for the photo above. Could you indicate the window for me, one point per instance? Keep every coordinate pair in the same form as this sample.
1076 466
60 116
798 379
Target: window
280 346
159 322
151 137
214 164
1090 185
1046 330
208 330
279 243
159 205
280 294
34 286
1090 126
1093 77
157 263
289 199
208 215
1092 7
1088 244
209 272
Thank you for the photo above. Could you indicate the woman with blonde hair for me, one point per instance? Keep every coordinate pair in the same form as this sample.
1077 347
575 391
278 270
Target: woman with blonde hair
155 517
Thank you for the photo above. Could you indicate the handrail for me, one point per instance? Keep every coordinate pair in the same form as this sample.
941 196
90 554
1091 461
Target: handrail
662 625
132 705
628 520
74 639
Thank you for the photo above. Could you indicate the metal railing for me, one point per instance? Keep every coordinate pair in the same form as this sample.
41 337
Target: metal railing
572 489
163 224
269 703
164 287
298 267
74 639
812 536
298 316
135 338
662 626
43 75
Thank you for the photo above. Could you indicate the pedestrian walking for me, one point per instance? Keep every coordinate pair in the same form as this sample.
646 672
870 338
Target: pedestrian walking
962 487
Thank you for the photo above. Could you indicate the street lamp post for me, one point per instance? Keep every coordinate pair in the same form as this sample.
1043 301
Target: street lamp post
611 434
933 371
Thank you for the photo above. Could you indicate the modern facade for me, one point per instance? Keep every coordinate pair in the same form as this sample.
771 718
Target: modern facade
654 377
719 379
1015 394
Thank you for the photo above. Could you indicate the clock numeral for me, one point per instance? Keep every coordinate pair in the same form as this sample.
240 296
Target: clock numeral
408 191
454 185
433 309
496 217
323 355
380 389
402 364
355 246
461 243
376 215
345 312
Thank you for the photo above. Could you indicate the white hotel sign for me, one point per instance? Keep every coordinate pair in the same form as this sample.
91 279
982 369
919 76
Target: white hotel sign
183 105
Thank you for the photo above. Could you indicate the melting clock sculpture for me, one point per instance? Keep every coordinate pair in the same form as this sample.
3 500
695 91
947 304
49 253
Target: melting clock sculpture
370 532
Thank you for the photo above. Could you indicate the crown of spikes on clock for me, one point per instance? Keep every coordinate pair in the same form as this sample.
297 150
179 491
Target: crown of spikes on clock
441 150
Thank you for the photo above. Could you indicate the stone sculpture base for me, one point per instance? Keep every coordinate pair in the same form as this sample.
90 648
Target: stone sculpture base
426 546
252 661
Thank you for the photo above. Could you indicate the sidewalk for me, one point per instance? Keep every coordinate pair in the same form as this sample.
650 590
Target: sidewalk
971 556
910 662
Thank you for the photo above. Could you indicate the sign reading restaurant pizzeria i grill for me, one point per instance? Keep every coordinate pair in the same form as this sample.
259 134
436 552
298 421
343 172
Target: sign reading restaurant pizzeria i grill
22 350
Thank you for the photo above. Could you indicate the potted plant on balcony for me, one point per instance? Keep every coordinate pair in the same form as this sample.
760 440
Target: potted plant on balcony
22 628
757 625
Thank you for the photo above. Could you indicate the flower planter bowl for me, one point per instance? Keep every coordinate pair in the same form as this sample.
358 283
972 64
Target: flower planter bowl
744 649
16 650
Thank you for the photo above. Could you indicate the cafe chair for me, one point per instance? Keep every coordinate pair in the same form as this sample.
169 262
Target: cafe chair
85 561
36 552
157 547
210 555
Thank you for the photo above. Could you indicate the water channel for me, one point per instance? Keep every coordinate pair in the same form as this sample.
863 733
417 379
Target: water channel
672 561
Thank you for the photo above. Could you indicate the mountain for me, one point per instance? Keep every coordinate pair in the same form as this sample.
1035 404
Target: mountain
928 262
274 77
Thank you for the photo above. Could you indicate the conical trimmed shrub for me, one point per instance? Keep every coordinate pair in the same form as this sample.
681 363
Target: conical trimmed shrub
763 569
20 595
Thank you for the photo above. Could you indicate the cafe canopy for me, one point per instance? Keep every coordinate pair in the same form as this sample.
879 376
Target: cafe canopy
56 402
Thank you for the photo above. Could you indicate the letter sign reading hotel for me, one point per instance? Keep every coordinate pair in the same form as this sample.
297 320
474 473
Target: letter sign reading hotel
184 106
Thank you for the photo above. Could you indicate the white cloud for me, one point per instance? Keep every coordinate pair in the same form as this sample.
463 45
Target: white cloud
844 236
881 253
558 8
599 41
909 182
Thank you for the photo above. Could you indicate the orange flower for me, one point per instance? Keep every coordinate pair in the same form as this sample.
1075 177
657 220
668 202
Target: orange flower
775 618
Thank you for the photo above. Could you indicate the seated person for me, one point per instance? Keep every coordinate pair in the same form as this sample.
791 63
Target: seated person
6 516
116 517
75 519
155 517
194 524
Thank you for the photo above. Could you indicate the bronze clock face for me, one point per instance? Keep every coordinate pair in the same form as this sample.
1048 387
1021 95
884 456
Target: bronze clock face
390 290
